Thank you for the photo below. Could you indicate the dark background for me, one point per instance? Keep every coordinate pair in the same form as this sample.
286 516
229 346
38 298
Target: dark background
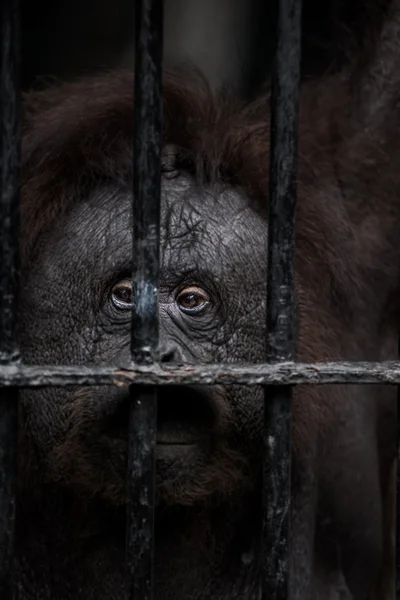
231 40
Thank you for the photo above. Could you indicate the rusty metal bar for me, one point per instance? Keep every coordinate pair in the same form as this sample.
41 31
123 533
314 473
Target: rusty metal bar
281 313
9 260
145 326
287 373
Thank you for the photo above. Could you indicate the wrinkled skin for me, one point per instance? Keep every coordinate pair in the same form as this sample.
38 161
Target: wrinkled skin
71 498
204 244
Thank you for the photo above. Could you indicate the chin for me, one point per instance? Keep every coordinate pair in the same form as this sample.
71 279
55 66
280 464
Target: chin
190 475
194 460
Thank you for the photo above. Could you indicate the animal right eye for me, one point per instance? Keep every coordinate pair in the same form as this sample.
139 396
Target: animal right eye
121 295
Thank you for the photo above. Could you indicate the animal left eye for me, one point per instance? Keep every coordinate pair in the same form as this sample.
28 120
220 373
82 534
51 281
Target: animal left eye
193 300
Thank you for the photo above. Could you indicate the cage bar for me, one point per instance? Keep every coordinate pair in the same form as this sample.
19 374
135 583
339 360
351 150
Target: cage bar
281 313
397 531
9 254
287 373
145 330
397 527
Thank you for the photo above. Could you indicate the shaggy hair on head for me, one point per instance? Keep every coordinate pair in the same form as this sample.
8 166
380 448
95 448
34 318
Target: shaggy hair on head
79 134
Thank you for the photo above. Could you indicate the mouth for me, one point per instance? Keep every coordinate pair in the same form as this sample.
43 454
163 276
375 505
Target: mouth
186 417
194 457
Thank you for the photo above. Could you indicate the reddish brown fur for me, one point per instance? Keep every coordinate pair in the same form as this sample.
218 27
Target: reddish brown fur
78 144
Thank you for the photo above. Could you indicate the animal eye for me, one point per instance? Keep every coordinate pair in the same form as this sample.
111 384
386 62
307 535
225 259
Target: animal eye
192 300
121 294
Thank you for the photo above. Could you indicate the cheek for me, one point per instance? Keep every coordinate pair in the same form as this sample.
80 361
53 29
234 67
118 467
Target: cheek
243 337
45 414
57 322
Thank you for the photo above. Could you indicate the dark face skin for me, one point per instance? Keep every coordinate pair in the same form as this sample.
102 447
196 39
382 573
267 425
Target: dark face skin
212 308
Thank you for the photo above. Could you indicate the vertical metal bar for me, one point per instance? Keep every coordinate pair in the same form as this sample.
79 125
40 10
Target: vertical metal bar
398 500
9 255
145 331
280 298
398 494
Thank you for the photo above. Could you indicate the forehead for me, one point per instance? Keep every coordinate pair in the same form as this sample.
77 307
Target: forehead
193 216
194 221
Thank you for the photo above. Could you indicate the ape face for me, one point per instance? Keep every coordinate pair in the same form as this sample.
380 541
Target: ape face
77 307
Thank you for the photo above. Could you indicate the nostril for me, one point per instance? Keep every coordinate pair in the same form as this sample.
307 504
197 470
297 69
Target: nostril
169 354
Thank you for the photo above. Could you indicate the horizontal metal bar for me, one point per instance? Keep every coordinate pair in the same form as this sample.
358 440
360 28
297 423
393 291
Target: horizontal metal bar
287 373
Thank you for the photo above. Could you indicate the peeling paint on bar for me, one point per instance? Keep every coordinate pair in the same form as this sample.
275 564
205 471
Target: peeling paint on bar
285 373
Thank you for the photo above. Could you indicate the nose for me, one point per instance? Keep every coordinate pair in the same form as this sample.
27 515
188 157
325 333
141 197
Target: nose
170 353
